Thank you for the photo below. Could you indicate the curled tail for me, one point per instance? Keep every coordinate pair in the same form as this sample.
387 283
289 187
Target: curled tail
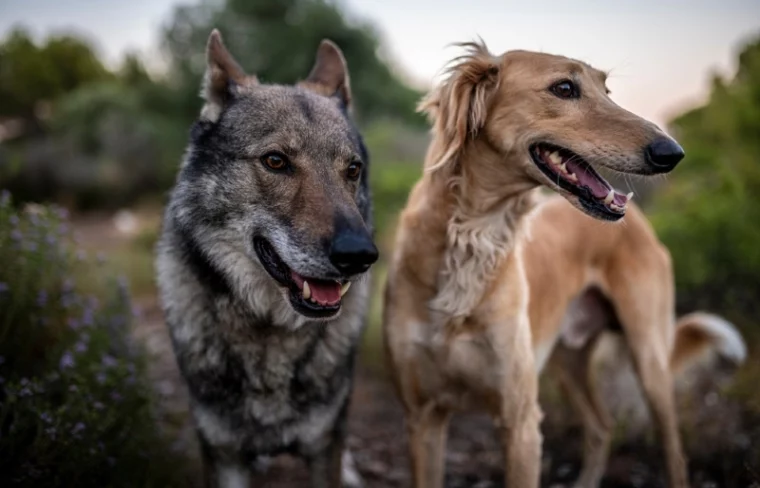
700 333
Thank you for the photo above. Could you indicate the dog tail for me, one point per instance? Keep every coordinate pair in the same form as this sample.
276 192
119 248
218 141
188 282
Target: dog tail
699 334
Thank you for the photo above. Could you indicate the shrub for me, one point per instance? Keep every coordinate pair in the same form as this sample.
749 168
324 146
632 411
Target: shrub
75 405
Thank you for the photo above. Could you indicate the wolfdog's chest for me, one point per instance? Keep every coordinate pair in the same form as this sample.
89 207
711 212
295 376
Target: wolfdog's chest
269 392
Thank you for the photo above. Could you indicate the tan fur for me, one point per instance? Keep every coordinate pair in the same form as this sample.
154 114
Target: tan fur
476 298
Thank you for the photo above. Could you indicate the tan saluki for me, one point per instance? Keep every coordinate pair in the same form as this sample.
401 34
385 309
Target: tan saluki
485 285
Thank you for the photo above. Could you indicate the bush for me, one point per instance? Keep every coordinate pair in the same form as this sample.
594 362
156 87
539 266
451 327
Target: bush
708 213
75 405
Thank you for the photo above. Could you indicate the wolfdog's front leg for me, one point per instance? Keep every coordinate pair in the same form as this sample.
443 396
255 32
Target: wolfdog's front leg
332 465
327 464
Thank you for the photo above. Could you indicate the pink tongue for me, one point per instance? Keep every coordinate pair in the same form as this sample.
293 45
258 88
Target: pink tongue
323 292
590 181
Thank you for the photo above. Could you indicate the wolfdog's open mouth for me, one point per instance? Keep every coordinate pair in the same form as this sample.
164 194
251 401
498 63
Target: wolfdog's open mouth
571 173
312 297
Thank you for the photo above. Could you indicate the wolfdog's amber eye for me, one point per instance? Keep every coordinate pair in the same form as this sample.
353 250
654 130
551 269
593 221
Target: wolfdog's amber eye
565 89
275 161
354 170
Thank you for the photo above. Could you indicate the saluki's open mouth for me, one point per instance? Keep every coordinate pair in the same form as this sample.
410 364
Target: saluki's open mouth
311 297
571 173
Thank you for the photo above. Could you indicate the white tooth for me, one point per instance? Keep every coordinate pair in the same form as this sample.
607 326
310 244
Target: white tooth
610 197
629 197
572 177
344 288
555 157
306 290
563 167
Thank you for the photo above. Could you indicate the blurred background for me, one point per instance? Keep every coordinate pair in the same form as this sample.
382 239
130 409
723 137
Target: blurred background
96 101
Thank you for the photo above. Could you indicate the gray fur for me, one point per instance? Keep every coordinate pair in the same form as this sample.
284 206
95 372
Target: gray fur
263 378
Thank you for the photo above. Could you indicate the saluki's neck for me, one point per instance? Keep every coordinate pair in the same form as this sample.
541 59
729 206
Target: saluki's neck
484 220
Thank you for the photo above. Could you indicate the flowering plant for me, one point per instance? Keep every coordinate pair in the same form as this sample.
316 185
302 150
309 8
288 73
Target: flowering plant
75 405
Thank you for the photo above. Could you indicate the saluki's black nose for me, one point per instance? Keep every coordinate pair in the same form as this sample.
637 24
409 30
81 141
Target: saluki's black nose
664 154
353 252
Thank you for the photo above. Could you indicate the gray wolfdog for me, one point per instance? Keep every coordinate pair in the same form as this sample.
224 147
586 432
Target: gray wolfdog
267 227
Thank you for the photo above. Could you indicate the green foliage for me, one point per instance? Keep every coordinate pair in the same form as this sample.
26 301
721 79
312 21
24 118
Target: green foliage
708 215
277 41
31 73
74 398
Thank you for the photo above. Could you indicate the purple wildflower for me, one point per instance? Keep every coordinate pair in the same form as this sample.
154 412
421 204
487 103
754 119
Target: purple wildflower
73 323
63 229
50 431
5 198
14 220
79 427
3 287
68 285
109 361
25 392
98 406
101 378
67 360
31 246
42 298
51 239
16 235
46 417
87 317
80 347
61 213
24 382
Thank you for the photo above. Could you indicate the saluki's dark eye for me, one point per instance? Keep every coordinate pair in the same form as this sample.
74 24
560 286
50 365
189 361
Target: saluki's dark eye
275 161
354 170
565 89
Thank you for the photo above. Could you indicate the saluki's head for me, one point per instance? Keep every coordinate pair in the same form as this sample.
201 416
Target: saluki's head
550 121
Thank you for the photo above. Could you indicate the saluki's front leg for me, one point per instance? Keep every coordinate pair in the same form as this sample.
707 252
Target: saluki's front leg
427 445
521 418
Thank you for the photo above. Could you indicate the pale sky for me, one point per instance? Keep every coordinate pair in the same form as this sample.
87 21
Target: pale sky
661 53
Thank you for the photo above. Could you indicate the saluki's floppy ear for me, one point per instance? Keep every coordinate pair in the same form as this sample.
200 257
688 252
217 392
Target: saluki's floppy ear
223 77
458 108
329 76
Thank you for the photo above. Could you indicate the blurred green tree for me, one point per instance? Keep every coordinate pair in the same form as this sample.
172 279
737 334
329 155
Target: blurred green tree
709 214
33 75
277 41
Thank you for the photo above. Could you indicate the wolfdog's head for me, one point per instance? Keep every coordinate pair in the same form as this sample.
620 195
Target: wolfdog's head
276 178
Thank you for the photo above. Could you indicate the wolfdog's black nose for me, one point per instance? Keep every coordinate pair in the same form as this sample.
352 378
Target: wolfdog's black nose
664 154
353 252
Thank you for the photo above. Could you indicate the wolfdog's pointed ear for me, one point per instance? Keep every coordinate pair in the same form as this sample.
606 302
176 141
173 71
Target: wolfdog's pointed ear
458 108
329 76
223 77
